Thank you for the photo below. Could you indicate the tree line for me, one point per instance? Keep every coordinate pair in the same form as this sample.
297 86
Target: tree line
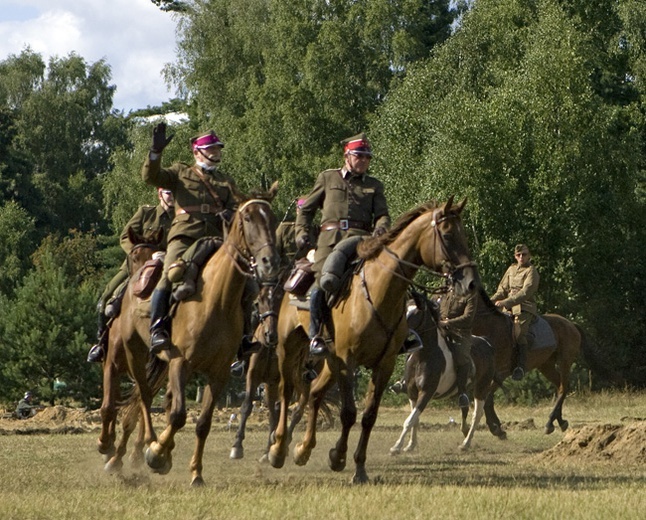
533 110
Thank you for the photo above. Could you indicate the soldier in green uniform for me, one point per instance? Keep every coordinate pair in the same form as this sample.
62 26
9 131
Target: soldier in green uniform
516 295
286 241
456 318
145 222
352 203
205 200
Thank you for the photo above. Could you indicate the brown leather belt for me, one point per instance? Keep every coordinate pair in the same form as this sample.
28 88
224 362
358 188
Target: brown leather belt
202 208
344 224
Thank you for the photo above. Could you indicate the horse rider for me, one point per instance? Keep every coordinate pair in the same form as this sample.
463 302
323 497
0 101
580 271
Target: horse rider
205 201
456 318
352 203
145 222
516 295
25 408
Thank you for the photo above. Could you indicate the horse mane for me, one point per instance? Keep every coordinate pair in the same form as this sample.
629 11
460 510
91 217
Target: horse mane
267 195
372 246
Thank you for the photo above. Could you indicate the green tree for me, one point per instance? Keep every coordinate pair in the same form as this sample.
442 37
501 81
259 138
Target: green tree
285 82
17 232
527 112
45 331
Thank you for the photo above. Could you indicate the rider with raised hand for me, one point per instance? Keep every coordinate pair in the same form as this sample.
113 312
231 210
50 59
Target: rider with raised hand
205 201
352 203
145 222
516 295
456 318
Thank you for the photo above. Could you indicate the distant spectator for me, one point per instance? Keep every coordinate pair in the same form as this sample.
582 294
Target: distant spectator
25 408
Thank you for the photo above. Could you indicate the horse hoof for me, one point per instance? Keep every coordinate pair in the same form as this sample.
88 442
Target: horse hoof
158 463
549 428
336 462
395 451
464 447
360 477
564 425
264 459
276 461
113 467
300 455
197 482
236 453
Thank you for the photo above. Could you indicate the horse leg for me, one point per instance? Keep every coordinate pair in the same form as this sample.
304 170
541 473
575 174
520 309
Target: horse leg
237 451
137 455
159 453
271 395
411 421
107 437
561 384
478 410
303 449
376 387
493 422
203 427
337 455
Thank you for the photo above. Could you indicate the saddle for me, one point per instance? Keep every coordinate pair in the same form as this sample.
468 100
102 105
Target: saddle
540 335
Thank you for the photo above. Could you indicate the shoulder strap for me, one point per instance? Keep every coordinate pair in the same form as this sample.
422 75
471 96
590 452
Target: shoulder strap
213 193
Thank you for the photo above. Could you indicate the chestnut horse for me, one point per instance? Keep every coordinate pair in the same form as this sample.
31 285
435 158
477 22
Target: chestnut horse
263 368
207 330
370 325
115 365
554 363
430 374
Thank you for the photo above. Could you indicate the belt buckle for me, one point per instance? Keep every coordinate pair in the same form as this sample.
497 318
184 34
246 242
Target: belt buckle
205 208
343 224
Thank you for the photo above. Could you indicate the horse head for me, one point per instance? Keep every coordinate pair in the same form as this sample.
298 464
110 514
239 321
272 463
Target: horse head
143 248
446 250
268 304
253 234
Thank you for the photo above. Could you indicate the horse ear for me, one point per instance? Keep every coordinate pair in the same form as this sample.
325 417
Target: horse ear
448 204
461 205
273 191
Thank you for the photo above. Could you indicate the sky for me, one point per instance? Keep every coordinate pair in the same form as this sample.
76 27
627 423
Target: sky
134 37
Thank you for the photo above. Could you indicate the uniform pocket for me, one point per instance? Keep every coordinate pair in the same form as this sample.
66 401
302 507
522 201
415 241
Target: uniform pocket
337 194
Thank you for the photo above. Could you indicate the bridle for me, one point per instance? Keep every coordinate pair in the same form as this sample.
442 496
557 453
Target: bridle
243 258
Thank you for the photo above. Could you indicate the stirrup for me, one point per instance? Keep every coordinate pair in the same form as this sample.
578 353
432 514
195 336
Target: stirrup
412 343
463 401
318 347
159 341
96 354
237 368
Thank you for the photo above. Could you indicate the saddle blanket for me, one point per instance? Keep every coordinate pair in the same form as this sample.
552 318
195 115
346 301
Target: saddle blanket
540 335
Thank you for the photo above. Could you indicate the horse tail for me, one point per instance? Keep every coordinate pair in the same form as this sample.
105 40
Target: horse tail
594 361
156 374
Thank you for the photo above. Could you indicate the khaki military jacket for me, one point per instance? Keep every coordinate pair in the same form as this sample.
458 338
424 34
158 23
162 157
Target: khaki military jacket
357 198
459 311
146 222
286 243
202 216
517 289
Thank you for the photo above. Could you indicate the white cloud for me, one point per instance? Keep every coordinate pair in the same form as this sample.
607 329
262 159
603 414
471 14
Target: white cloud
133 36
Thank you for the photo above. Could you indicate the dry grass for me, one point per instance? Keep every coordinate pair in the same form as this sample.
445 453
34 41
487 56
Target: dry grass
61 476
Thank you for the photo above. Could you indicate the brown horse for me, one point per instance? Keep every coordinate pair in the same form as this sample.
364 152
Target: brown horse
206 332
430 374
115 365
554 363
370 325
263 368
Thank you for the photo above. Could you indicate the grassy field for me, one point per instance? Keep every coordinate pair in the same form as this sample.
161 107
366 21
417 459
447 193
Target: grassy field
61 476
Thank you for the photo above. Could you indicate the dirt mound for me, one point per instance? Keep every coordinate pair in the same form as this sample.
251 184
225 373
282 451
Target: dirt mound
603 442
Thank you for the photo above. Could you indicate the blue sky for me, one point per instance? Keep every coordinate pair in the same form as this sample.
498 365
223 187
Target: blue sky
133 36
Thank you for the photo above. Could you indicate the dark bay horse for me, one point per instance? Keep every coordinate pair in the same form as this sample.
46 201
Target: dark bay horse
206 332
430 374
554 363
115 365
370 325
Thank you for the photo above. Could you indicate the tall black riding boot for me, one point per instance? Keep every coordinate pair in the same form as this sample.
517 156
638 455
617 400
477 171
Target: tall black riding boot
461 378
97 352
519 371
318 311
159 305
